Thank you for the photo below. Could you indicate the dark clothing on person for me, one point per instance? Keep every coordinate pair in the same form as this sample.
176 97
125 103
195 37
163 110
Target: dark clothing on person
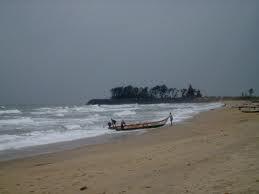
109 124
113 122
171 118
122 124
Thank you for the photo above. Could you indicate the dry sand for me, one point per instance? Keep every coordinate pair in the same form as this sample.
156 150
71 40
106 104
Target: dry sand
215 152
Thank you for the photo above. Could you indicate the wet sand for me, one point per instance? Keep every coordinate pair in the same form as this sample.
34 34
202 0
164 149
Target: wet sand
215 152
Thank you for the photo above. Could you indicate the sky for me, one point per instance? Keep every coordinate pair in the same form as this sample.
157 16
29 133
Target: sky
67 52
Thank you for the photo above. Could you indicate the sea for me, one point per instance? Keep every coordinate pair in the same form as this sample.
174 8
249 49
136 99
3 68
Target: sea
26 127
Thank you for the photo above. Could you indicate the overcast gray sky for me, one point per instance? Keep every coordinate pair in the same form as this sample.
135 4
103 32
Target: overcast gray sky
60 51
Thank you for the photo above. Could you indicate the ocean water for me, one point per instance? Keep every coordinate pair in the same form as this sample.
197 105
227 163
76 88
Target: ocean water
23 127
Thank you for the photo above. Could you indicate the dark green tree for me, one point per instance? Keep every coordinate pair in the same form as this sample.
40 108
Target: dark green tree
190 92
128 92
155 91
143 92
117 92
198 94
183 92
171 92
163 91
136 92
251 91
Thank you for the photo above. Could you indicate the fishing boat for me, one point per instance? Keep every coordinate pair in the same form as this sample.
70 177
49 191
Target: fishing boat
250 111
144 125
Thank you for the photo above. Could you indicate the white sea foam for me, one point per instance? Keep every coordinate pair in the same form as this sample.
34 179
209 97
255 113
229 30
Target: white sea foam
88 109
71 127
14 111
52 111
42 138
17 121
8 138
59 115
124 113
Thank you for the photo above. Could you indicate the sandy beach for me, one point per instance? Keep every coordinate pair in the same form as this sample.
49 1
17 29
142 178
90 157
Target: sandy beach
214 152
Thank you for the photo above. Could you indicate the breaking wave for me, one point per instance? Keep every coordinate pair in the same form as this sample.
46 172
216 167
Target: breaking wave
125 113
14 111
44 125
17 121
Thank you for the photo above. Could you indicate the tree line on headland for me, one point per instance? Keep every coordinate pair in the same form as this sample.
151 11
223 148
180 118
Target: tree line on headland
156 92
145 95
163 94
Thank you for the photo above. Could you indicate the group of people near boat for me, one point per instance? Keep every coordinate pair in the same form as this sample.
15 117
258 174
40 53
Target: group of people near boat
112 123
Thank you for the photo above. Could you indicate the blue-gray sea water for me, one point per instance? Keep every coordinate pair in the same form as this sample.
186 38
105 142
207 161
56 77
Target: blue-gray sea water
22 127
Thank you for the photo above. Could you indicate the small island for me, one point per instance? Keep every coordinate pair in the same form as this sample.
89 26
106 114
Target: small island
156 94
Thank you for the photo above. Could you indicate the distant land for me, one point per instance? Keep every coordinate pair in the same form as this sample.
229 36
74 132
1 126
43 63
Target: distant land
149 101
162 94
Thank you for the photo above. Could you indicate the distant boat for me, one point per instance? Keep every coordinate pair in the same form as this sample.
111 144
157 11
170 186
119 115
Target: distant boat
250 111
144 125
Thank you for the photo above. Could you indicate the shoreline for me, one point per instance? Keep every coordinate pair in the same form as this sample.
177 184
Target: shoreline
73 145
30 151
54 148
213 152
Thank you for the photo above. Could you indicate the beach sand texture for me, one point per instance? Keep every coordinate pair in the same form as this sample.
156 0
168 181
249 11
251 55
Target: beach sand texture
215 152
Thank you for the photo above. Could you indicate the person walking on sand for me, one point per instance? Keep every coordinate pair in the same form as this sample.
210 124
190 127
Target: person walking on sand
171 118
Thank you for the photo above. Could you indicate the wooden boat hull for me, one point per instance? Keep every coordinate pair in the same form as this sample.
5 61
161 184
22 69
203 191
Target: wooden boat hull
250 111
145 125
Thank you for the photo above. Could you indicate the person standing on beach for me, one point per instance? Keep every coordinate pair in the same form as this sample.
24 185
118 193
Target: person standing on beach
171 118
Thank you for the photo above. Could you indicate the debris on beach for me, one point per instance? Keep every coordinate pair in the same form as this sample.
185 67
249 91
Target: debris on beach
83 188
